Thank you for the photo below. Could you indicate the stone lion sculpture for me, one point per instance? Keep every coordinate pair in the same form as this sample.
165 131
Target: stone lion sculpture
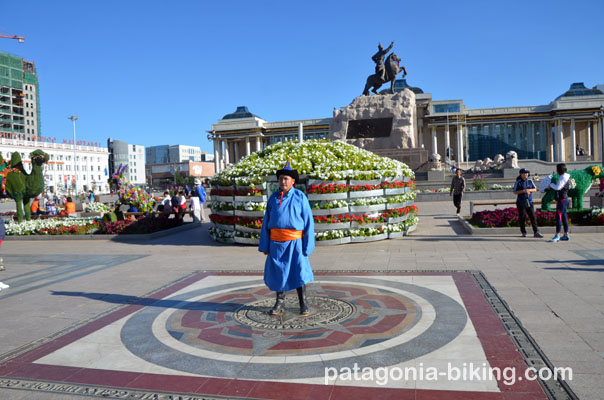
511 160
435 164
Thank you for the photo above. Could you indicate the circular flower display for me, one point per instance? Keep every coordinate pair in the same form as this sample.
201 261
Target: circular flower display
355 195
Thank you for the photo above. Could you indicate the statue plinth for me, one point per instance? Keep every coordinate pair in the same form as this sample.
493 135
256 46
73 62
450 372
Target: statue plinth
377 122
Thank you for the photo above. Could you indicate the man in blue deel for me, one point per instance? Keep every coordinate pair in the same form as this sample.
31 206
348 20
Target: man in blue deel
287 238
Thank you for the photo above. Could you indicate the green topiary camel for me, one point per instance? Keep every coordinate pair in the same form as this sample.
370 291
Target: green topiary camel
21 186
582 178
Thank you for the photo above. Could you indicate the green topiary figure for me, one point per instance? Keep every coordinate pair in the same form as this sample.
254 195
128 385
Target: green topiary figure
21 186
582 179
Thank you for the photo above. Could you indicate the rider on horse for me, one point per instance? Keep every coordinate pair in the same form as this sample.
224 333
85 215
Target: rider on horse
378 58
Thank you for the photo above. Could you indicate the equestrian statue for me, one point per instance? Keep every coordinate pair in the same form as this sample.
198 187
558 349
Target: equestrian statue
384 71
21 186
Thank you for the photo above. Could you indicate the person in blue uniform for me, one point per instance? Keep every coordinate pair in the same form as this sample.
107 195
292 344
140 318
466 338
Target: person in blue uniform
287 238
523 189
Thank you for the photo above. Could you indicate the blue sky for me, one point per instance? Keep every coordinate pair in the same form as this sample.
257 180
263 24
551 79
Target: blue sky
156 72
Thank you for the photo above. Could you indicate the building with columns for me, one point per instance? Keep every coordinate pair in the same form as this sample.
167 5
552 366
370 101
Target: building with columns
241 133
569 128
560 131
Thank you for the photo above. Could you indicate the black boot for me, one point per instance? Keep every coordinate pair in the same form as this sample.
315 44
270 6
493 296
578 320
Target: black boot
279 307
302 299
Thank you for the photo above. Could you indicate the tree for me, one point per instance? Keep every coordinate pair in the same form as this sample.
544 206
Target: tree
178 178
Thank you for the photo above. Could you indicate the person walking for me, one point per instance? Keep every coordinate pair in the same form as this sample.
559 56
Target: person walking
2 267
287 238
458 186
523 189
562 201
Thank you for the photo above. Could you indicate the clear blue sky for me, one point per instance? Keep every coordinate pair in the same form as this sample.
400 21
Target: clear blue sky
161 72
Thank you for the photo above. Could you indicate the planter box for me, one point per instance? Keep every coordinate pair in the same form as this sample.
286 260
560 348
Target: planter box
320 182
330 196
332 242
222 198
241 228
224 227
330 211
371 182
394 235
364 209
393 206
223 212
398 220
397 179
331 227
391 192
595 201
256 199
375 238
224 187
269 178
410 229
244 240
244 213
356 225
366 193
258 186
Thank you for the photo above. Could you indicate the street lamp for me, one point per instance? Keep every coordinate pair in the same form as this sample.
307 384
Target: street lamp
600 116
74 118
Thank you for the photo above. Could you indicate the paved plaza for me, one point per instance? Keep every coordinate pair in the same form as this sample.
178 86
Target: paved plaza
182 314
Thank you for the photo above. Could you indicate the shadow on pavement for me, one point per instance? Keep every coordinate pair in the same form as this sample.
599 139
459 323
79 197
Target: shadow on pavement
192 237
146 301
583 263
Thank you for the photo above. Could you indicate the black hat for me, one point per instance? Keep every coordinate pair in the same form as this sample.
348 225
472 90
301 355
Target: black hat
287 170
525 171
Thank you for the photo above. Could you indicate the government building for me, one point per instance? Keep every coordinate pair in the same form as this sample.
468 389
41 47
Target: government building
568 128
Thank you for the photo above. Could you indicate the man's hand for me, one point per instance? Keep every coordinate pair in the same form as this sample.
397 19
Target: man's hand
265 253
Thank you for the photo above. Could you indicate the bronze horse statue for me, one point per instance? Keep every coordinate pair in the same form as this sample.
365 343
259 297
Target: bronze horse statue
392 70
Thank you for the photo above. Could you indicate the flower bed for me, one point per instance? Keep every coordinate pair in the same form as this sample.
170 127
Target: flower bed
345 185
83 226
508 217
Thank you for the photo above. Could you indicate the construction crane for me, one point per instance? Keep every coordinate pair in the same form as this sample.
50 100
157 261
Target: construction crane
19 38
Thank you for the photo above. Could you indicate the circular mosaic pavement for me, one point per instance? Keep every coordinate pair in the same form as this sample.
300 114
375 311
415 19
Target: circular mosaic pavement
227 328
324 311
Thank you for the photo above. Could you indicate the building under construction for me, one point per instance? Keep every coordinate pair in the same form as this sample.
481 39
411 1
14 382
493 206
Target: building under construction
19 98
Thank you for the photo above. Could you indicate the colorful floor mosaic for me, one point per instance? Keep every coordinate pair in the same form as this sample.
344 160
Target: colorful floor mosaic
210 335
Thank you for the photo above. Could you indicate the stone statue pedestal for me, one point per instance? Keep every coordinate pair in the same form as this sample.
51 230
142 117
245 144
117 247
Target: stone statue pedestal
436 175
377 122
511 173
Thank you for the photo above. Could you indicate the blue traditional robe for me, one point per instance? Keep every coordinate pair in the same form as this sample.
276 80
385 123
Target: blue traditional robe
287 266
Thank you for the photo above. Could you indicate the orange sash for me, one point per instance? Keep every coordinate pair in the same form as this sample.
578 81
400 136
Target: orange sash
283 235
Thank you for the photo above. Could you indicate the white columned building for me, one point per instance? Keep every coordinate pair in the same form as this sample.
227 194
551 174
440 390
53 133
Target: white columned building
91 164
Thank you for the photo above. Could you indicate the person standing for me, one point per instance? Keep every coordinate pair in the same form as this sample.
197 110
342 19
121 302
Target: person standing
523 189
201 194
195 206
458 186
287 238
562 201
